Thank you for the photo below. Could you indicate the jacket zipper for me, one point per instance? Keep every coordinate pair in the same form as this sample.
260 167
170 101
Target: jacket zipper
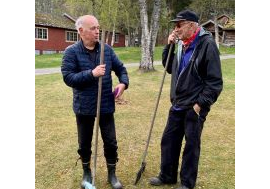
186 66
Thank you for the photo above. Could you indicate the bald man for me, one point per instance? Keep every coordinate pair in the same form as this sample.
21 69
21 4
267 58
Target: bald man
81 70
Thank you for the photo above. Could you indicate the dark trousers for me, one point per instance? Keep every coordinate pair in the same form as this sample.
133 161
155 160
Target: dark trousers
179 124
85 125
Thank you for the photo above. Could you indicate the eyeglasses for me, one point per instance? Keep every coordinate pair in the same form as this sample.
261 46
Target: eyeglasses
180 24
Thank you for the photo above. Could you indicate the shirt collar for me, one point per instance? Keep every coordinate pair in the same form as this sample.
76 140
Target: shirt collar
95 48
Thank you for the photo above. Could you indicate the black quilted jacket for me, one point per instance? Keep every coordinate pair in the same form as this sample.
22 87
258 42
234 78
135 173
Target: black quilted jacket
201 81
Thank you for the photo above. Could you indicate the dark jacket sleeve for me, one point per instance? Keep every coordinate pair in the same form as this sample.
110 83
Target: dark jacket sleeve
119 69
165 55
72 75
212 76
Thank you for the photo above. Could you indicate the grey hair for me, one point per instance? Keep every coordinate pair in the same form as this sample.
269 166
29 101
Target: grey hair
79 23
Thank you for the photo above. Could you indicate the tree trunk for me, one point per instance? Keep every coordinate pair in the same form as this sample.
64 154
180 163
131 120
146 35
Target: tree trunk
145 40
114 12
148 39
216 24
128 28
113 35
216 31
129 37
107 37
223 37
154 28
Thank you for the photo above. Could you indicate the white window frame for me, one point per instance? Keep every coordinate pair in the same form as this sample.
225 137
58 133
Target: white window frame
42 34
73 32
116 37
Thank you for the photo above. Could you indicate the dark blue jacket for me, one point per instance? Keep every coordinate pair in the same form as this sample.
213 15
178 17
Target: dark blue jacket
77 69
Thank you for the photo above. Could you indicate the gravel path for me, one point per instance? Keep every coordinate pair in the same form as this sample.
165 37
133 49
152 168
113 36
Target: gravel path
57 70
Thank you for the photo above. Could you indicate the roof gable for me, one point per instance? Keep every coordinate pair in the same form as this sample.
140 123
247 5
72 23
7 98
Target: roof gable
222 16
57 21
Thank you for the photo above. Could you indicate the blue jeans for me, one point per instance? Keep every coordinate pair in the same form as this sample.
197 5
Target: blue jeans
179 124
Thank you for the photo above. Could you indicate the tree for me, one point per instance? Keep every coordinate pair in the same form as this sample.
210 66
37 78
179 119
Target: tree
212 9
175 6
81 7
206 8
128 20
148 38
43 6
102 10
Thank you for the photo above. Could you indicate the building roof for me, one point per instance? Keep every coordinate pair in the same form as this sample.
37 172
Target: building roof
65 21
211 22
223 15
230 25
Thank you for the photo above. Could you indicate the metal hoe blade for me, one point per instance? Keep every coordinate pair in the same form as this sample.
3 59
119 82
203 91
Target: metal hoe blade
139 174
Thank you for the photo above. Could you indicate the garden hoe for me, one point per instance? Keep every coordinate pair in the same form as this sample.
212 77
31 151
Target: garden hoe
88 185
139 174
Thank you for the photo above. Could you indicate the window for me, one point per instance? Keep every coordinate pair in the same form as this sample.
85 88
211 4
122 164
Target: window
41 33
71 36
116 38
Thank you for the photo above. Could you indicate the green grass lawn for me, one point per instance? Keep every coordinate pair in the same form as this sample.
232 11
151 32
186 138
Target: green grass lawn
226 50
125 54
56 135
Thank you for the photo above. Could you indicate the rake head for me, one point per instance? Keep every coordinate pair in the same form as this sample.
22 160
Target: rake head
139 174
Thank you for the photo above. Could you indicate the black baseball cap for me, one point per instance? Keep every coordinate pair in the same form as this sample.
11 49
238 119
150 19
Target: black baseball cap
186 15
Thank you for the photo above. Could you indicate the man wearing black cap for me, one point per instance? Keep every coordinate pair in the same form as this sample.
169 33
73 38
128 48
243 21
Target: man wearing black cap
196 82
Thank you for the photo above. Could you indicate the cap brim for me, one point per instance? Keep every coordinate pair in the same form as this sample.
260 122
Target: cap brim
177 20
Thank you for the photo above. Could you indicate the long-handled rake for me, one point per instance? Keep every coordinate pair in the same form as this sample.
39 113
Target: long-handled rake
143 164
88 185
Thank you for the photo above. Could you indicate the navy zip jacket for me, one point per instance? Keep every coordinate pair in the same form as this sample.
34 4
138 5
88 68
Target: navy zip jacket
77 69
201 81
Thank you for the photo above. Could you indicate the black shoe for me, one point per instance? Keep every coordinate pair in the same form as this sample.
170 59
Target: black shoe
156 181
182 187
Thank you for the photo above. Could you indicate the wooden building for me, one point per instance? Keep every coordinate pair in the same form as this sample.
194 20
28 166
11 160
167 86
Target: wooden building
54 33
226 28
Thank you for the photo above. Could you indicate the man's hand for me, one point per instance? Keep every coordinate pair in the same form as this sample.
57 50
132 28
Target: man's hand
197 109
119 90
172 37
99 70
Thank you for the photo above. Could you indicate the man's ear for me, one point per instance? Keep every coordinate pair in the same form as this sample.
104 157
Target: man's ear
80 30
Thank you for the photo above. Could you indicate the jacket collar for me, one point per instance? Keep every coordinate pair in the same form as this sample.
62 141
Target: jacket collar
204 32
